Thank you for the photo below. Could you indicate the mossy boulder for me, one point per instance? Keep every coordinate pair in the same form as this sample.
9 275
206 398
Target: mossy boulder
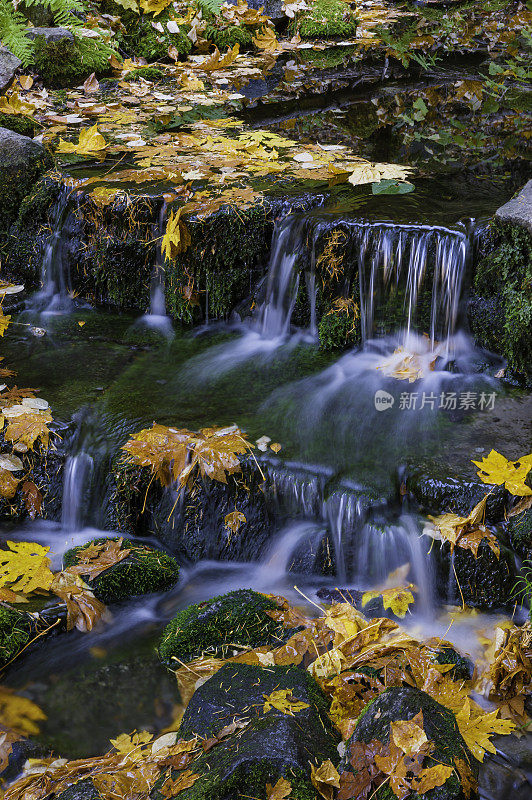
327 19
16 630
271 744
22 162
195 527
18 123
82 790
500 313
213 627
8 67
144 571
64 60
403 703
519 530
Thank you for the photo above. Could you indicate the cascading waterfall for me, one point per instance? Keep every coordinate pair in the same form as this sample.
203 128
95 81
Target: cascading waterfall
157 317
54 296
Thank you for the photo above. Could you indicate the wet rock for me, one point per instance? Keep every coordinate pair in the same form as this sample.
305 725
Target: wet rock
213 627
519 530
21 750
271 745
194 527
440 727
144 571
518 210
8 66
502 277
439 494
22 162
16 630
484 582
271 8
82 790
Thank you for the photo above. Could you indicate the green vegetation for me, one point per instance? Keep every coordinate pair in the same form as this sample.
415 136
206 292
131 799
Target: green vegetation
215 627
144 571
15 633
327 19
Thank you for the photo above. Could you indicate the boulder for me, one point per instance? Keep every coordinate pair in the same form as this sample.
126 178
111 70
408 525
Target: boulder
21 750
236 618
61 61
8 66
22 162
144 571
51 35
267 744
82 790
439 723
518 210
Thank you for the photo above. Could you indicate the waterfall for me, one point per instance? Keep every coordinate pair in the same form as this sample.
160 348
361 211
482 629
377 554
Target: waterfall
76 486
157 316
54 295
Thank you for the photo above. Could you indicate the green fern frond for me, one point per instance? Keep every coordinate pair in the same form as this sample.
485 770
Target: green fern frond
212 6
13 32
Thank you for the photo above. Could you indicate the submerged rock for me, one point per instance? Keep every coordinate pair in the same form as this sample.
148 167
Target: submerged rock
439 723
22 162
268 744
144 571
16 630
212 628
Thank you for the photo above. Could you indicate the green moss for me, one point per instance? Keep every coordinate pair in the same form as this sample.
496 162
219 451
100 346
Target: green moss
144 571
462 667
142 39
504 277
149 73
62 63
337 331
236 618
18 123
18 178
15 633
327 19
228 37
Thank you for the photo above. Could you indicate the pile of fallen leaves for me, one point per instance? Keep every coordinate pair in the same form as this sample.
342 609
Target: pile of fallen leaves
353 659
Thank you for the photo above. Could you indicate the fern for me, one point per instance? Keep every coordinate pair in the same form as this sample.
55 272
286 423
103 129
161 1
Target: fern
212 6
13 32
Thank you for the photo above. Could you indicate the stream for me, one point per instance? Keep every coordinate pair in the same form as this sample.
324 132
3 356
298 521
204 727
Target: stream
350 432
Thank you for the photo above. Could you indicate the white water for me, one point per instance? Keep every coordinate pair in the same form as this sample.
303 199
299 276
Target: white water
157 317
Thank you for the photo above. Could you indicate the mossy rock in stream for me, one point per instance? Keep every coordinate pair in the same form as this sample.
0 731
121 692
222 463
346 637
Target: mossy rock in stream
22 162
519 529
16 630
271 744
500 313
214 627
439 723
63 59
144 571
327 19
194 528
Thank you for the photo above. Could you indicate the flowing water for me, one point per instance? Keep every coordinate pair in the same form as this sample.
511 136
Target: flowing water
347 425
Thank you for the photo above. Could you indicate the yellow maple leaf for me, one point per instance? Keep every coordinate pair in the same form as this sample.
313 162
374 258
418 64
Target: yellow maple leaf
14 105
325 779
129 5
282 700
91 142
496 469
234 520
266 40
27 428
476 729
430 777
397 599
154 7
5 321
25 567
465 532
8 484
217 61
176 238
127 742
189 83
280 791
18 713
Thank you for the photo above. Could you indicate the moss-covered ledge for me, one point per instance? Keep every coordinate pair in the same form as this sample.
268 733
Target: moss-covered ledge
500 310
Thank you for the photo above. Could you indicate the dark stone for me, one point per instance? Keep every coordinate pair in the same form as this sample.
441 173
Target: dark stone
459 495
144 571
22 162
270 746
51 34
82 790
236 618
8 66
403 703
519 530
21 750
518 210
